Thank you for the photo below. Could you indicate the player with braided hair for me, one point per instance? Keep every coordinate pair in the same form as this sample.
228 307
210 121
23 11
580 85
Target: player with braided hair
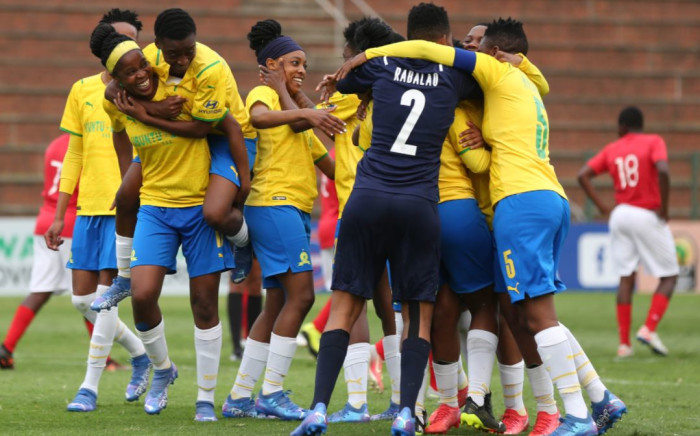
91 163
175 175
278 212
184 63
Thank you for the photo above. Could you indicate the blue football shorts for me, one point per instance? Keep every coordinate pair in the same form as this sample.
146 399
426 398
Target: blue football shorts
466 259
161 230
94 240
530 229
281 240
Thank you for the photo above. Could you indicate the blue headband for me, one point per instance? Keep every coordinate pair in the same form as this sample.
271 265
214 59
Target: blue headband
276 48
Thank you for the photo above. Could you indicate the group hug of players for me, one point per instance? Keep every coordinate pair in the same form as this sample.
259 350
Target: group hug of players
447 202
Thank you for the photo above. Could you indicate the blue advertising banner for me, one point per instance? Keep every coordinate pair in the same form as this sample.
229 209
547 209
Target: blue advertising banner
586 260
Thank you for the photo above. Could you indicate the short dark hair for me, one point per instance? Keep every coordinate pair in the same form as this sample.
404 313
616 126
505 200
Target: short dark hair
427 21
174 23
351 29
374 33
508 35
103 40
117 15
632 118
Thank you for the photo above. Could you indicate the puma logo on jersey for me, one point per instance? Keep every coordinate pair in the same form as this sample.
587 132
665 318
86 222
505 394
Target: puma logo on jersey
514 289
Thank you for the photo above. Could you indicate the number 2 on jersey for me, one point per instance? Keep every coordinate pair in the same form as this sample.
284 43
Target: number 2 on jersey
416 100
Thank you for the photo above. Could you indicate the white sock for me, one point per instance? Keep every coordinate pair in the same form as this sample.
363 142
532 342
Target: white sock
156 347
555 351
240 239
542 389
100 344
420 400
124 249
481 346
446 380
587 375
398 320
82 303
392 358
465 321
356 369
462 379
278 362
128 339
207 346
512 379
255 356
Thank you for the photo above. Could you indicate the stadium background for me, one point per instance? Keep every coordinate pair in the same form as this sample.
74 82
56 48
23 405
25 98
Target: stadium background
598 56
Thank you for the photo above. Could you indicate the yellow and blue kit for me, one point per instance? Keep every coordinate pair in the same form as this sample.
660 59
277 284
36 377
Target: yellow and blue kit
347 155
466 246
175 177
214 92
282 194
91 162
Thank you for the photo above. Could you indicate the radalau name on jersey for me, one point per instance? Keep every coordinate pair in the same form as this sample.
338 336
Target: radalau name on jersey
415 78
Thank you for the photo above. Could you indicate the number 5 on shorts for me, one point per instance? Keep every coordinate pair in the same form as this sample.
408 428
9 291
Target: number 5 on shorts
510 266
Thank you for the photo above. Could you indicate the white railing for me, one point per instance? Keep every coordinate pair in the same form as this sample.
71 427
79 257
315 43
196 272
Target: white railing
337 11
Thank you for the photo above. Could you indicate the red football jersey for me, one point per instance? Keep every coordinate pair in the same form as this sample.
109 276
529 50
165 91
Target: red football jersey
631 161
329 211
53 161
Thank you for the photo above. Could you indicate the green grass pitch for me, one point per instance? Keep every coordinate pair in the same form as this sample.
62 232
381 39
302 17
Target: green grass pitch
662 394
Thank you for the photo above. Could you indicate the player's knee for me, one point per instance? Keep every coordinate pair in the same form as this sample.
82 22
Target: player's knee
214 216
82 302
205 315
307 301
302 303
534 326
140 299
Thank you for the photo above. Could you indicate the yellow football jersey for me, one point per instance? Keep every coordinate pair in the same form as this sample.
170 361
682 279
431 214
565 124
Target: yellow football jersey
480 183
210 80
175 169
364 141
284 168
453 181
534 74
515 121
346 154
90 159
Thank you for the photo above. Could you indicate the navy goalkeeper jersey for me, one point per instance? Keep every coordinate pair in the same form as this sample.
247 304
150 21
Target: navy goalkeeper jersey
414 103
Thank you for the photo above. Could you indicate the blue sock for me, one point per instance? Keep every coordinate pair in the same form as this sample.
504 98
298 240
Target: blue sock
414 358
331 355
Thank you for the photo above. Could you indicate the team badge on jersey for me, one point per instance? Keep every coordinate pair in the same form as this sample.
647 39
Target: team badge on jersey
304 259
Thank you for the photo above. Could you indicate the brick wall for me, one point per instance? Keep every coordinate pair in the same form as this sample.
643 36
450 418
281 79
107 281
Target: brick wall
598 55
